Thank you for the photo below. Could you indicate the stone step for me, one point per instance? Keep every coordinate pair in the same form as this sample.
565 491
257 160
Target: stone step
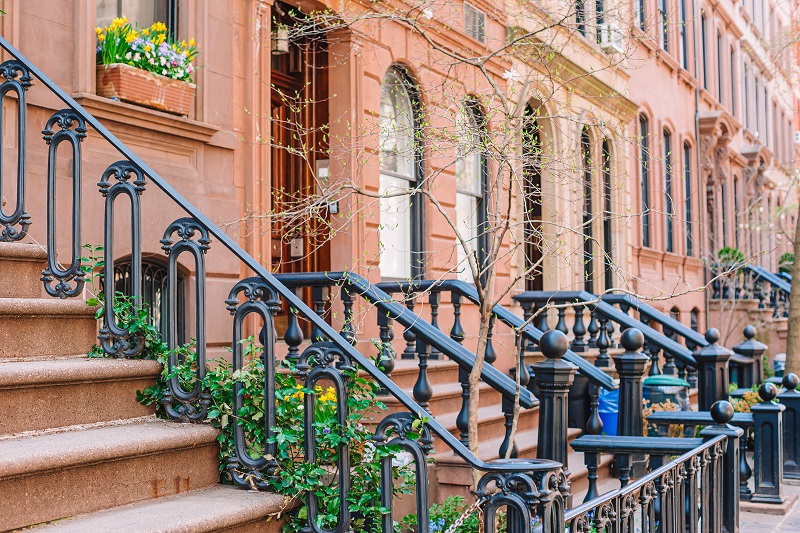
45 327
218 508
491 424
52 476
21 268
406 372
447 398
44 394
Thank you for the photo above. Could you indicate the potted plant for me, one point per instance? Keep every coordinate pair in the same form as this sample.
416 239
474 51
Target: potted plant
145 66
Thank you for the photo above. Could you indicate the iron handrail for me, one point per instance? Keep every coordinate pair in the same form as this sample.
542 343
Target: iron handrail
529 331
284 292
657 316
652 336
644 480
774 279
357 284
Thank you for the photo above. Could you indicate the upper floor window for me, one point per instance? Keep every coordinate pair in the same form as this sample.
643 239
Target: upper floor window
475 23
141 13
719 67
588 212
639 14
644 176
668 204
471 168
703 54
733 81
687 195
682 43
663 20
746 87
400 158
580 16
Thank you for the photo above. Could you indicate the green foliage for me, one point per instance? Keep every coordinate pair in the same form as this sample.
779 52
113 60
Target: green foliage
295 477
786 262
135 319
730 255
443 516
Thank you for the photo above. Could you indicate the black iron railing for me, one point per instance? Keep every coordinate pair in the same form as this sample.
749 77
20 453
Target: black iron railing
748 281
527 487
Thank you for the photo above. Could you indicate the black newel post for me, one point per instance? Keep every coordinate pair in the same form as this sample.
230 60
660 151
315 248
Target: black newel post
750 352
712 367
630 367
791 426
726 489
554 378
768 463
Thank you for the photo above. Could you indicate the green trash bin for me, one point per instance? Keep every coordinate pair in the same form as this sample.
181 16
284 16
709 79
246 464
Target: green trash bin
660 388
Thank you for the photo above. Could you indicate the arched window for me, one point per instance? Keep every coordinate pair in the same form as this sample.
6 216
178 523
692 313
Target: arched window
694 319
532 187
400 163
471 174
687 192
644 177
608 243
668 204
154 293
588 255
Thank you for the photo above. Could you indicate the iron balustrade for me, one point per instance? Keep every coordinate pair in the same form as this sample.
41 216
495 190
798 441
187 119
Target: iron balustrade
684 495
527 487
748 281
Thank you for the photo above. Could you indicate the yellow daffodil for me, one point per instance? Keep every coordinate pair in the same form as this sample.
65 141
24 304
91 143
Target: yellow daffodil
101 37
183 44
192 42
158 39
159 26
148 48
98 30
146 31
131 37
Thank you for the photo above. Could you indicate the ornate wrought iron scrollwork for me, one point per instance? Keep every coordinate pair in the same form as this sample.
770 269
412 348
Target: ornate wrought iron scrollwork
325 361
403 426
18 79
181 404
58 281
262 300
119 178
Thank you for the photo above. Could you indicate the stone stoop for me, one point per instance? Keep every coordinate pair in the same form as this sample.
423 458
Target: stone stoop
74 442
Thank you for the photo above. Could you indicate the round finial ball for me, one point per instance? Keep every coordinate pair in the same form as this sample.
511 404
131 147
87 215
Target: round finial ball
554 344
632 340
749 332
712 335
791 381
722 412
767 391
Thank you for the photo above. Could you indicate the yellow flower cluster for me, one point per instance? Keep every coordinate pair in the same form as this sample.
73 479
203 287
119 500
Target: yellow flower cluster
158 26
118 22
328 396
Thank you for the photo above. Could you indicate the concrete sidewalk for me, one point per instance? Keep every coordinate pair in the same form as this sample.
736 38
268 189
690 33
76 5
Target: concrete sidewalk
752 522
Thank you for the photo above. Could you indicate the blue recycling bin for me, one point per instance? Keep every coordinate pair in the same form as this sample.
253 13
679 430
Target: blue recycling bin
608 409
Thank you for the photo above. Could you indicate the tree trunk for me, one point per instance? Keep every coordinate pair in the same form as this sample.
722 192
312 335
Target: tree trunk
793 342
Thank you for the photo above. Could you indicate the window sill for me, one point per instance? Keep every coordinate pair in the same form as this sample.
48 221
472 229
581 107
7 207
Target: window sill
686 77
146 119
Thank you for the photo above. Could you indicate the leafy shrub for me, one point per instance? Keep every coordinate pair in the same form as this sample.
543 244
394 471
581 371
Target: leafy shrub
443 516
730 255
786 262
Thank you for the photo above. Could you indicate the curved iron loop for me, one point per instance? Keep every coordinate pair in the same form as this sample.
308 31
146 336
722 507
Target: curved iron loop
121 178
182 404
261 300
68 281
17 80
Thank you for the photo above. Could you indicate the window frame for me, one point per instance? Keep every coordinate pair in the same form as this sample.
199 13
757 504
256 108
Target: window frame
669 208
644 178
687 185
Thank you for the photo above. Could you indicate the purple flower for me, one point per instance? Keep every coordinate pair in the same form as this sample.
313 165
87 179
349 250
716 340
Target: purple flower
325 431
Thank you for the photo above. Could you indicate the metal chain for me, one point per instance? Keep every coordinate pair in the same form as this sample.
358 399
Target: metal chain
466 514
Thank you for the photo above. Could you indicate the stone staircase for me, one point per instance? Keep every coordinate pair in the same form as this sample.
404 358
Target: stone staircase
77 450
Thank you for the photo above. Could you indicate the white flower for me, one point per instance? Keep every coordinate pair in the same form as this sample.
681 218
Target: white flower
427 13
511 75
152 61
164 72
163 61
128 55
137 56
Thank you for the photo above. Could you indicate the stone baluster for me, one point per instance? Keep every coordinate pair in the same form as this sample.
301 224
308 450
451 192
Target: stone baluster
409 336
593 329
603 344
791 426
712 362
489 354
669 364
293 336
578 330
544 325
554 377
319 295
750 373
423 390
768 445
745 472
654 368
386 353
433 300
527 313
348 330
508 412
722 413
561 325
458 335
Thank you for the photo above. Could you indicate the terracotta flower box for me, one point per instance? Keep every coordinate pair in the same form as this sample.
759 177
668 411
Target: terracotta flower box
137 86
